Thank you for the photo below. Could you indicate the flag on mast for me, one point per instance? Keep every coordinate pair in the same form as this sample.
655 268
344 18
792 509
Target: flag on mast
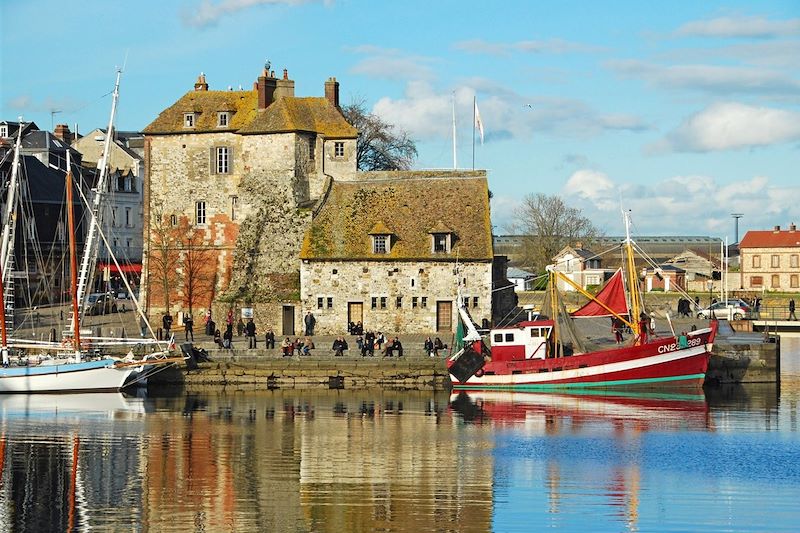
478 121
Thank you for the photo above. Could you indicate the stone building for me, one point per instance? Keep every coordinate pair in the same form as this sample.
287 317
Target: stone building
231 178
580 265
390 249
770 260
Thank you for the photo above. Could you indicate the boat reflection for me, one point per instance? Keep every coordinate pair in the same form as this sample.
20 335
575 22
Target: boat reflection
552 412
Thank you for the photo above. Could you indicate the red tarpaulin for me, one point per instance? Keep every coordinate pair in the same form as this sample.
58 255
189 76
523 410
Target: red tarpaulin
133 268
612 295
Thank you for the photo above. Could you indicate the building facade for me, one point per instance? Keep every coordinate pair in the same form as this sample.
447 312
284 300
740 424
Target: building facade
231 179
580 265
391 249
770 260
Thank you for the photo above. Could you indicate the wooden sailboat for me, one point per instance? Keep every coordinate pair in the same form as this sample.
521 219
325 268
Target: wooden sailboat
546 354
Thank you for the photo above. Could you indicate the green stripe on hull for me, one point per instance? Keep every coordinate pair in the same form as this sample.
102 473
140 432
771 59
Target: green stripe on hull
577 385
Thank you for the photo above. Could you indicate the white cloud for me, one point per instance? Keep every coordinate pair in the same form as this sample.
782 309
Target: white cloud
752 27
731 126
551 46
24 103
709 78
680 205
209 13
426 113
391 64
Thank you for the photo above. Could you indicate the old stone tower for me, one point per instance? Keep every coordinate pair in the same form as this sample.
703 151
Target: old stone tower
231 178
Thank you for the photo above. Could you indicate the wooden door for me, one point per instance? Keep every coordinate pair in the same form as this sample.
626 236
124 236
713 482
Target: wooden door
288 320
355 312
444 316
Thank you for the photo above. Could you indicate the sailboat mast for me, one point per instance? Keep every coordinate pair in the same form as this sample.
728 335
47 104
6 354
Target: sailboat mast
633 281
73 263
90 246
9 222
455 157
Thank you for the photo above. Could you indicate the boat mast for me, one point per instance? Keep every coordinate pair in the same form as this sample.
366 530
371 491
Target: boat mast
90 247
73 266
9 222
633 281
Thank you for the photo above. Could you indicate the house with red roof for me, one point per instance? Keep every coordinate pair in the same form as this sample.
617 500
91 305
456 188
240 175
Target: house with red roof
770 260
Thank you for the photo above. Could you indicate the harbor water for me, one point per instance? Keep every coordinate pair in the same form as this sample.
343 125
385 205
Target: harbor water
378 460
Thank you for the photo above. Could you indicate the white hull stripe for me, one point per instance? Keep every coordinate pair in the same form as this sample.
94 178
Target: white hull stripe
575 373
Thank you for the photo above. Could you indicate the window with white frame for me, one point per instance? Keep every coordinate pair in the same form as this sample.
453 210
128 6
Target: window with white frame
775 261
188 120
200 213
222 119
338 149
380 244
222 159
441 243
4 130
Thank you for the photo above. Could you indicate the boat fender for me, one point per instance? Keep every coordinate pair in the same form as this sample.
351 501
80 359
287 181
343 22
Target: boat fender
479 373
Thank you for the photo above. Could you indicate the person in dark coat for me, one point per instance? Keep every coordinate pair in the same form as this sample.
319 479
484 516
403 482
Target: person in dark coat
429 346
250 329
227 337
309 321
270 340
339 346
166 323
369 344
188 327
791 310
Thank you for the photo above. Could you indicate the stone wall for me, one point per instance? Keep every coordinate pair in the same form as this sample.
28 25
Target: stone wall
330 287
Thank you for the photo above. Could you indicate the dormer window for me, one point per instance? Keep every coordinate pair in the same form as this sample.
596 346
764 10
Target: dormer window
188 120
441 243
3 130
381 244
223 118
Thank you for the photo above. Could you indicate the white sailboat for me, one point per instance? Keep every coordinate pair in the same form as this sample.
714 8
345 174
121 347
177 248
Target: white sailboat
62 367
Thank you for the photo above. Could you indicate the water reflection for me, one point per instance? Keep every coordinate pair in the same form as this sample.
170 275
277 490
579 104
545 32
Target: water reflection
336 460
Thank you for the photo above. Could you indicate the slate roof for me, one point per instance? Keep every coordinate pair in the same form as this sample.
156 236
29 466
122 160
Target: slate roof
410 206
286 114
770 239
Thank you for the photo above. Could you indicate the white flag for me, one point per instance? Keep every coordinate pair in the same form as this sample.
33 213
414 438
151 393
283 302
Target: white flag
478 121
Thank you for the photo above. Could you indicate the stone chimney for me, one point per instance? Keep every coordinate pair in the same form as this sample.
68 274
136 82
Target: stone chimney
266 86
284 87
776 229
332 91
62 132
792 228
200 84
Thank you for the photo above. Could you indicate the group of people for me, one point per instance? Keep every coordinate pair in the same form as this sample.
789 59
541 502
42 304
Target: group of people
299 346
432 347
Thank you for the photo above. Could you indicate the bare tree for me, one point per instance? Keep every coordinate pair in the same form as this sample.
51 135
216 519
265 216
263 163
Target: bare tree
164 256
198 267
547 225
380 145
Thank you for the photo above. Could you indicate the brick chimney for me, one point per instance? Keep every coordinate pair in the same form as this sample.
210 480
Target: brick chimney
62 132
332 91
266 86
284 87
776 229
200 84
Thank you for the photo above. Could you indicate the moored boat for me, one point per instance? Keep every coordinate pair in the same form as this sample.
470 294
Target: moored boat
547 353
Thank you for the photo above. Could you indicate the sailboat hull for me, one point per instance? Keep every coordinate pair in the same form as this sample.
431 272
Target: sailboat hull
89 376
657 364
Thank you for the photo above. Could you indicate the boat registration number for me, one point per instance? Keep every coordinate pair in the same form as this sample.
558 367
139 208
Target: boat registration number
674 346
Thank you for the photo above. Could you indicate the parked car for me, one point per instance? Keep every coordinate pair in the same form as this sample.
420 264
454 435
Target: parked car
101 304
733 309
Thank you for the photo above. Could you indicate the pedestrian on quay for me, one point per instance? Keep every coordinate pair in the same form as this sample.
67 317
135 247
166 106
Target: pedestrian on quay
339 346
250 329
270 339
239 327
429 346
287 347
188 327
227 337
360 345
791 310
438 345
369 344
166 323
308 345
309 322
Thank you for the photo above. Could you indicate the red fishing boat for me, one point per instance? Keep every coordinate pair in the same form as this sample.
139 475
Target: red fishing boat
549 353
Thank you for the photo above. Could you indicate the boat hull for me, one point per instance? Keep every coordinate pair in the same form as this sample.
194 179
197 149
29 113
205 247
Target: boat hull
658 364
89 376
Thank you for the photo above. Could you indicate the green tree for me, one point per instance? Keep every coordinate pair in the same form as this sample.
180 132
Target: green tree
380 145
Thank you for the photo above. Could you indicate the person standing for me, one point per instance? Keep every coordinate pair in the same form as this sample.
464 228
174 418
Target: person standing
250 329
309 321
227 337
188 327
791 310
429 346
270 340
239 327
166 322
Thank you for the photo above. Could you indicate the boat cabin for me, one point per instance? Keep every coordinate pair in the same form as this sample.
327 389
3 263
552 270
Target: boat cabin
525 340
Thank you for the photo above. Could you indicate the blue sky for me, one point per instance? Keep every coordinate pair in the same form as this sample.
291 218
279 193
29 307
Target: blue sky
683 112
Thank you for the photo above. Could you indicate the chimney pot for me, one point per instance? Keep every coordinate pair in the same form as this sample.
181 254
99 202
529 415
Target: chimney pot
792 227
285 74
62 132
200 84
777 229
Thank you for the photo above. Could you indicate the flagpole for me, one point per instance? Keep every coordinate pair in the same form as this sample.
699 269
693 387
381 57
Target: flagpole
474 107
455 159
